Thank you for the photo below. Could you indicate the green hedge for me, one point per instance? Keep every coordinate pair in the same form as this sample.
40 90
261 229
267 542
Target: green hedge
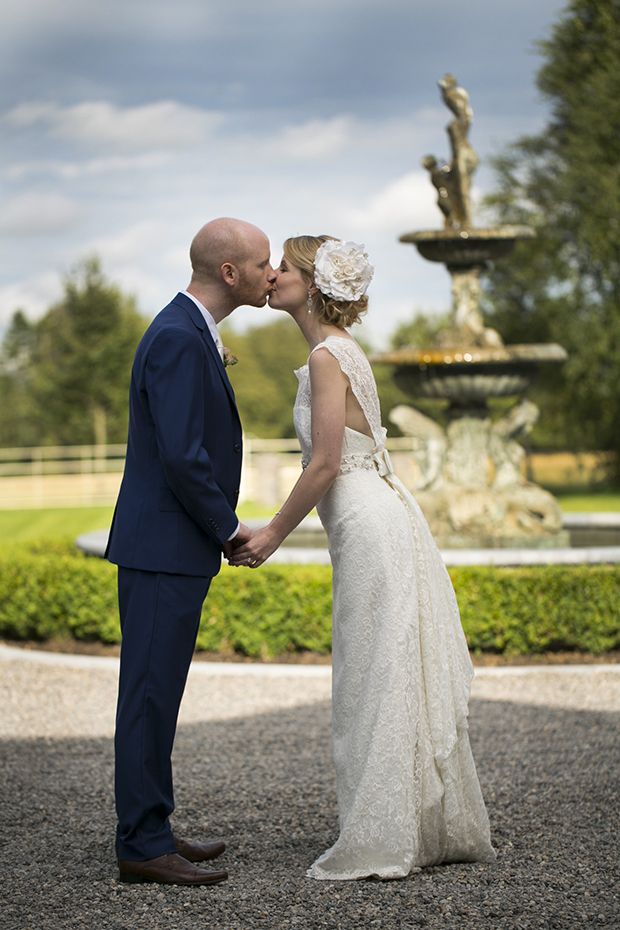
49 590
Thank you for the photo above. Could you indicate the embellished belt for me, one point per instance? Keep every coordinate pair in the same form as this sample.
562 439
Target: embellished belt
368 460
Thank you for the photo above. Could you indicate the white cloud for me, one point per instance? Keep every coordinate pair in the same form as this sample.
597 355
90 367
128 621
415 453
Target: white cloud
177 259
95 166
33 295
404 205
317 139
128 246
32 214
166 124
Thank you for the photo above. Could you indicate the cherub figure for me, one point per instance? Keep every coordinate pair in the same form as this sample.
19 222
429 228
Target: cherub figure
464 159
442 179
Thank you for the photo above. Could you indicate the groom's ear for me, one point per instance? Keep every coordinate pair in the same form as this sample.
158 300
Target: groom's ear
229 274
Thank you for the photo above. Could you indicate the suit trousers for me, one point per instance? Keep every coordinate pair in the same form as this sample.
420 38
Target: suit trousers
160 614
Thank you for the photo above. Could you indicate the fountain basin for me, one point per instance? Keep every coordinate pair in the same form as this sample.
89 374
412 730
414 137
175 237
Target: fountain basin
467 372
466 247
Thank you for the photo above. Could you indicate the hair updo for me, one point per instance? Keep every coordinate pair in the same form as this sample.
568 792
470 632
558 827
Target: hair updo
301 252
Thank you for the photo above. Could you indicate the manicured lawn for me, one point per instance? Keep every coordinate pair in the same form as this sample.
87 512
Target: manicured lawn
72 521
53 522
589 503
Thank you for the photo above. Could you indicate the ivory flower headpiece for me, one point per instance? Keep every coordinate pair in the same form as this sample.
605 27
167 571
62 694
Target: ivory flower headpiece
342 270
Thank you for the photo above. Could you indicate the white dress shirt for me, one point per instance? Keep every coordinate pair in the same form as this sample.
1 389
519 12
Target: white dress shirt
217 339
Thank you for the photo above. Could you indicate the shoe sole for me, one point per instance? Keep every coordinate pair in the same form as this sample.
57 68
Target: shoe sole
131 878
192 859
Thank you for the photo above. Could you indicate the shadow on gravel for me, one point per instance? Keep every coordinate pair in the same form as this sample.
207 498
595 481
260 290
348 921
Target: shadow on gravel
265 785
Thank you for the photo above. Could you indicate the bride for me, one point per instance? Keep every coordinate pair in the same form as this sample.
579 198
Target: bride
408 793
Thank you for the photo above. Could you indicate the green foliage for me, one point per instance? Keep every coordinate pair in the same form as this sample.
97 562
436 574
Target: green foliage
20 417
265 384
264 381
390 396
269 612
48 590
65 379
564 286
520 611
420 332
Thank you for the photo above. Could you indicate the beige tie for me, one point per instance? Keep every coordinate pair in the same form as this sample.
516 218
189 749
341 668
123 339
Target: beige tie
220 345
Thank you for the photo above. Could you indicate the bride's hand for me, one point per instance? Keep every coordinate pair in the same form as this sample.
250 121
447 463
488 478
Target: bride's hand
257 550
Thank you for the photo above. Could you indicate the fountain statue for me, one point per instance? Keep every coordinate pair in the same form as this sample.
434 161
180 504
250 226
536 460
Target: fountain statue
472 489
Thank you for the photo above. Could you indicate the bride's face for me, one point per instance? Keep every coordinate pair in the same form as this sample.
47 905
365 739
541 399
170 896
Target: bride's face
290 289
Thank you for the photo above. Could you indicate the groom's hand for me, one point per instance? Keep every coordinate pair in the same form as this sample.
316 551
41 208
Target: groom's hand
244 535
257 550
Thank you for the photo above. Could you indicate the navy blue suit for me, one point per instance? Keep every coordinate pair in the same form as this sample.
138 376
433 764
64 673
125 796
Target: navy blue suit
174 513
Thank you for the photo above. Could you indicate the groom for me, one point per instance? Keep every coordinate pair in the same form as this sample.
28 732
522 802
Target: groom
174 517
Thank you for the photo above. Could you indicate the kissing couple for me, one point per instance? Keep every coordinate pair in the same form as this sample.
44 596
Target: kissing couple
408 793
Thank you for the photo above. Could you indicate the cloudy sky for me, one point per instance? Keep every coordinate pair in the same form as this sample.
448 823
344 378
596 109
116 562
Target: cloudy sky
127 124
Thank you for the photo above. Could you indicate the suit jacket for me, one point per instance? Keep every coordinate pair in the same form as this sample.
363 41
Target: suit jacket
181 483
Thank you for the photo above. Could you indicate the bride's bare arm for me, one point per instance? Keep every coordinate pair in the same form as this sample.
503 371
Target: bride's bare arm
329 393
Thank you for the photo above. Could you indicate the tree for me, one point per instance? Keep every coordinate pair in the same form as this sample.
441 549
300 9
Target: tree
265 384
564 286
19 416
71 369
264 381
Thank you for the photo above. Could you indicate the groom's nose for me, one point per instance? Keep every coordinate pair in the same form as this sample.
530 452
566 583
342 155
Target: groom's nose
271 275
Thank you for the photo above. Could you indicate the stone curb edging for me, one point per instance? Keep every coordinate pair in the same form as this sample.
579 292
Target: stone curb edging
95 544
239 669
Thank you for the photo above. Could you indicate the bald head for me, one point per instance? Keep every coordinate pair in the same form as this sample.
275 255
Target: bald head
230 267
223 241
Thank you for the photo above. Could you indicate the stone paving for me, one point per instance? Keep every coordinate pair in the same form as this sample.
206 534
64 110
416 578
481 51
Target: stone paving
252 766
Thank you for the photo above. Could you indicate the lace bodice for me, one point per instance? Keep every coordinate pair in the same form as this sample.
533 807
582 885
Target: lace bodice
358 450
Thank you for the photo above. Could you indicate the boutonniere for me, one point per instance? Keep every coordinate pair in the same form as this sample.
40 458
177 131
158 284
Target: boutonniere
229 358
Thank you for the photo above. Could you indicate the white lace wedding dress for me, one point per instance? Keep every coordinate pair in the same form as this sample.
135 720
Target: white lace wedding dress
408 793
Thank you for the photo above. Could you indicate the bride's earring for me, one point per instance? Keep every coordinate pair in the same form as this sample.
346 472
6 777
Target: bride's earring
309 302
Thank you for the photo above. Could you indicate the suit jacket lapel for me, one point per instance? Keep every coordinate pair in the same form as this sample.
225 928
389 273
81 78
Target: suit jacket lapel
199 322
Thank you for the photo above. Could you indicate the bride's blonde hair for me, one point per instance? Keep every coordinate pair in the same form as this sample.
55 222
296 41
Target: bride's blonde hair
301 251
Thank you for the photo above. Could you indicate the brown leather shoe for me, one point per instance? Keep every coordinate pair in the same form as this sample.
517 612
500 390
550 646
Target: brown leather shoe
198 852
195 852
171 869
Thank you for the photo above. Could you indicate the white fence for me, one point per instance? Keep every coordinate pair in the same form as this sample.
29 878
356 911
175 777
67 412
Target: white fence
81 476
87 476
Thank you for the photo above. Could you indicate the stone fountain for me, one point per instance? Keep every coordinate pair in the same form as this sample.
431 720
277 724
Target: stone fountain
471 488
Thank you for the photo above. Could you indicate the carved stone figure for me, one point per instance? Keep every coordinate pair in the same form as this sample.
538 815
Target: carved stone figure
453 181
447 197
430 448
471 485
506 453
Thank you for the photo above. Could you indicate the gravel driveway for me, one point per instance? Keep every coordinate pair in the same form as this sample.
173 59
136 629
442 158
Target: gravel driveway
252 766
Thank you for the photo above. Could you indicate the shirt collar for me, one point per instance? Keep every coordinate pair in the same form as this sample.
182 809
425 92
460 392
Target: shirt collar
217 339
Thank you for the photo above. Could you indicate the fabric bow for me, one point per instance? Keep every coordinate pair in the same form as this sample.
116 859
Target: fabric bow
383 463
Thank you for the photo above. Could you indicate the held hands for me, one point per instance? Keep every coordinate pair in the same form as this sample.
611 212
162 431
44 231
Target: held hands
244 535
254 551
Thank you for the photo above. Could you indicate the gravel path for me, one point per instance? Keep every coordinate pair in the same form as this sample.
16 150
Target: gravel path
252 763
